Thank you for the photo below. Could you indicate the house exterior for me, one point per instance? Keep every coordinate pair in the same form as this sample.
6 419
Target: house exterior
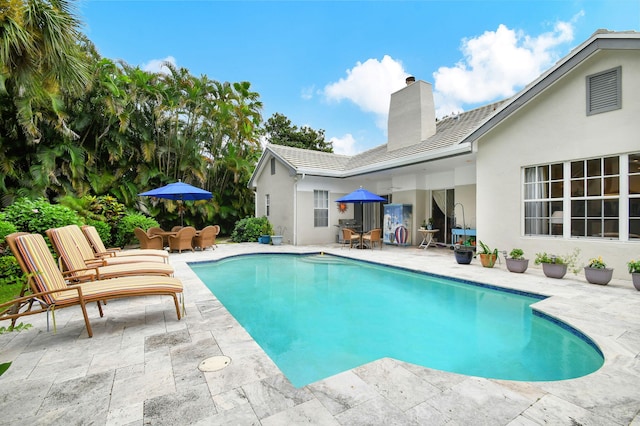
553 168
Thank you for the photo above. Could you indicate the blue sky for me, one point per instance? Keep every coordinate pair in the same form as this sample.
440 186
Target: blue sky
332 65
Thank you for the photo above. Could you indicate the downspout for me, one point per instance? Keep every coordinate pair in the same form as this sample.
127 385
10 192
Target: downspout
295 208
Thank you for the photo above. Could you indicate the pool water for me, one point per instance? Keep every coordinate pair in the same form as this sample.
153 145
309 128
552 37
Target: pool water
319 315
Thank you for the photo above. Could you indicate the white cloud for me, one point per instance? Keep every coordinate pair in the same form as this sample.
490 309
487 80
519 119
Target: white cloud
344 145
307 92
369 85
158 65
496 64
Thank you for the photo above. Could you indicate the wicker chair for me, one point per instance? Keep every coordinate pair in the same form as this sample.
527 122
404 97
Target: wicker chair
206 237
349 236
148 241
373 237
183 240
176 228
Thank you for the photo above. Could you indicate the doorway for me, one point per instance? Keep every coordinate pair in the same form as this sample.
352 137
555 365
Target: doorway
442 213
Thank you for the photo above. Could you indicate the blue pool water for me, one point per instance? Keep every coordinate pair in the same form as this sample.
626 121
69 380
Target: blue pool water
319 315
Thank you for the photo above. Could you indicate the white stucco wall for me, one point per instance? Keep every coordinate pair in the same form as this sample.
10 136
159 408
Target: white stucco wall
280 187
554 127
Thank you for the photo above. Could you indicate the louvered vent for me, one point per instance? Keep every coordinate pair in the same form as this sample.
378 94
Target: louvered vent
604 91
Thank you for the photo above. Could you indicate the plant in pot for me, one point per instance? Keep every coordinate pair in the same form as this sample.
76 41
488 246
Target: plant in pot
266 232
634 270
430 223
596 272
516 261
487 256
463 253
555 266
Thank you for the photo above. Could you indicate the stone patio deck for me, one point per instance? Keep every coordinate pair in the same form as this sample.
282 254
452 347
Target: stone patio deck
141 366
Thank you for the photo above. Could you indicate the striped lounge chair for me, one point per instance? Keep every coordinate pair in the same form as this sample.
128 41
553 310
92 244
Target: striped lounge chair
100 250
73 261
51 291
75 233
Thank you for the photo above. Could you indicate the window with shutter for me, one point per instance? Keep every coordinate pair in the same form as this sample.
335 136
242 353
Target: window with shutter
604 91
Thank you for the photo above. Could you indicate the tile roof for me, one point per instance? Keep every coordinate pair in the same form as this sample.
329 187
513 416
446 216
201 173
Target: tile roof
450 132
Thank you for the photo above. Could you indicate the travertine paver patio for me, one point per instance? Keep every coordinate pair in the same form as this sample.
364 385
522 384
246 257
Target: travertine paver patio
141 366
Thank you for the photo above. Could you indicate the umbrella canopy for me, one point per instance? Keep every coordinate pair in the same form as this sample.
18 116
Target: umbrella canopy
178 191
361 195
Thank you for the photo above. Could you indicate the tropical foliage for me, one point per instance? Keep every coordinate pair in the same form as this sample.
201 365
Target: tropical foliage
75 124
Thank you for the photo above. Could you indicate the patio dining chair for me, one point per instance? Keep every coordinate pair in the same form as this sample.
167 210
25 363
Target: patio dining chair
373 237
50 290
183 240
349 236
149 241
80 269
95 241
206 237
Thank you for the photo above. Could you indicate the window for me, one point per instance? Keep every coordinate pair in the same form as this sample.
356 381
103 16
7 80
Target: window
273 166
604 91
602 196
543 193
634 196
320 209
595 197
267 204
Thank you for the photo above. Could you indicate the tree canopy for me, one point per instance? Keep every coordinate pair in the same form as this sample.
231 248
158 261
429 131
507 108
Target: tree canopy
73 123
279 130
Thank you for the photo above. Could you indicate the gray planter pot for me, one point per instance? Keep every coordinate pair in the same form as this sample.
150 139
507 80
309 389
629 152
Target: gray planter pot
554 270
463 256
598 276
517 265
635 277
276 240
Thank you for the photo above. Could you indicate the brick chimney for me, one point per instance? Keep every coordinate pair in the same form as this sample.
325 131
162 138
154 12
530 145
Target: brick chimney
412 115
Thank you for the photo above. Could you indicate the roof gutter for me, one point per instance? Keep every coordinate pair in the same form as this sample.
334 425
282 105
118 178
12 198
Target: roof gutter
396 163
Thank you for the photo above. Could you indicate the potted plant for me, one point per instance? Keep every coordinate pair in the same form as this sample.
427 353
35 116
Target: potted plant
596 272
516 261
634 270
266 232
555 266
430 223
488 257
463 253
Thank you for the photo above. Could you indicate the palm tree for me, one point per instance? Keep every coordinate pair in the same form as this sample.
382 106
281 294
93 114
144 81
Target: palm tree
40 58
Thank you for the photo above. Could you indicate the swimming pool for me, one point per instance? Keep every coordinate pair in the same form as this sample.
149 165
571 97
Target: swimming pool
319 315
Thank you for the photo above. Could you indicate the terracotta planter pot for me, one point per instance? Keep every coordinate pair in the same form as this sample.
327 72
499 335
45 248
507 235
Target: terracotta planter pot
635 277
517 265
488 260
463 256
554 270
598 276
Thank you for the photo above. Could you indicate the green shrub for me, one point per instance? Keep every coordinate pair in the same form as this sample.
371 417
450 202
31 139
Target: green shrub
124 231
9 267
6 228
36 216
250 228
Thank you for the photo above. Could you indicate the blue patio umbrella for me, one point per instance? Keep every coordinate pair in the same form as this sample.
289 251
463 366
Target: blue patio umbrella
361 196
178 191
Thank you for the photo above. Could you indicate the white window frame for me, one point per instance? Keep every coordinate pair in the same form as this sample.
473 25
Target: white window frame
320 208
539 205
267 205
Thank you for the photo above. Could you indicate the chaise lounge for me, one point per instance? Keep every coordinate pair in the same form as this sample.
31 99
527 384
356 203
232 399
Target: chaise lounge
100 250
73 261
50 289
